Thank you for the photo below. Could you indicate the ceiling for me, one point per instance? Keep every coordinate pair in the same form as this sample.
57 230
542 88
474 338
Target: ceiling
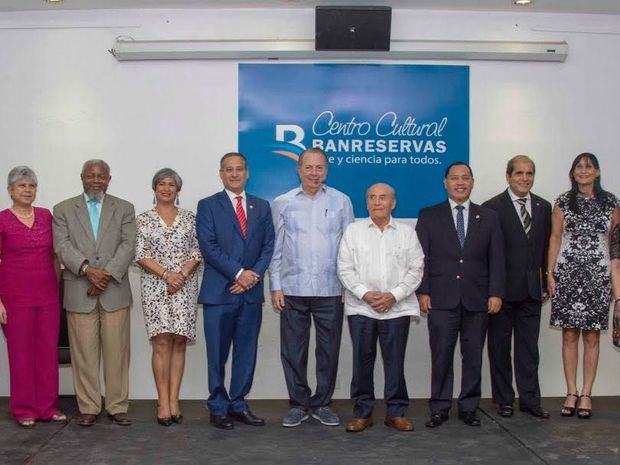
548 6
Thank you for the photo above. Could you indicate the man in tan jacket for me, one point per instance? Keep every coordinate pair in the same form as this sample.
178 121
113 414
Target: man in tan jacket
94 237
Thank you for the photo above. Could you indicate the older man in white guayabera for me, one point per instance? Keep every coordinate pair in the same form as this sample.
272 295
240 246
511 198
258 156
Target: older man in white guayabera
381 265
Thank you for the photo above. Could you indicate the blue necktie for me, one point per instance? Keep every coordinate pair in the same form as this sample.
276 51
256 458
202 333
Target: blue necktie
93 213
460 224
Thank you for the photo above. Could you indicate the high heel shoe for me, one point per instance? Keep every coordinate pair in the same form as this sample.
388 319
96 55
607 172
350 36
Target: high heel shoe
584 413
166 421
568 411
178 419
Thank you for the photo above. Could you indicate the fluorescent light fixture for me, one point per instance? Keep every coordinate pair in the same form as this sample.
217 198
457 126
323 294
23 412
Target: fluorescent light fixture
523 2
125 48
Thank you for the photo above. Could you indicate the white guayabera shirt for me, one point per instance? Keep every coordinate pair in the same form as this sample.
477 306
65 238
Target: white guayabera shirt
391 260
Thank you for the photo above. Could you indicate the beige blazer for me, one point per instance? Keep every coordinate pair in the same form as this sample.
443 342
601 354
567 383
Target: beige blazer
113 250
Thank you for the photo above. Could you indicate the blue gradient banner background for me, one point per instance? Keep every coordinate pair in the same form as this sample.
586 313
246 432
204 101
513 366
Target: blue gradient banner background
400 124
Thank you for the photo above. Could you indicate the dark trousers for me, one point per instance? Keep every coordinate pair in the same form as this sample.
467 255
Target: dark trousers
295 321
392 335
225 325
444 327
522 318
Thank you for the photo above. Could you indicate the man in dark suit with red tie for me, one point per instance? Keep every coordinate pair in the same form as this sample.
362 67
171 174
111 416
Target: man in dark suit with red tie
525 219
464 278
235 233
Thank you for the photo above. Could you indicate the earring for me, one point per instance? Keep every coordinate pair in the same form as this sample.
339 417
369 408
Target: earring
177 202
154 200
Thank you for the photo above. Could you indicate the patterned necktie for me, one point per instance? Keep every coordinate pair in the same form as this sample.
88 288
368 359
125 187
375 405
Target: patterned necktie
243 222
460 224
525 216
93 213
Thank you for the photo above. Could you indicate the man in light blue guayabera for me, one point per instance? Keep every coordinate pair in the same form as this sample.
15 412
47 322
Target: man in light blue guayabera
309 222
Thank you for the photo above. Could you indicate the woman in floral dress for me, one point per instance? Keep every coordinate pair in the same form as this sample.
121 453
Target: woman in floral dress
579 275
167 251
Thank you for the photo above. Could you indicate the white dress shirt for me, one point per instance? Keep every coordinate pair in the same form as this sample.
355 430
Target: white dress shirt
466 205
391 260
515 203
233 198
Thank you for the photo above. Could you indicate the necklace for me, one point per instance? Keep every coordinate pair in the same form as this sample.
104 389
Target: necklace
24 217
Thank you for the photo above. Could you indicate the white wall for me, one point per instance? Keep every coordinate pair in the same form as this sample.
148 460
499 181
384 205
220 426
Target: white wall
64 99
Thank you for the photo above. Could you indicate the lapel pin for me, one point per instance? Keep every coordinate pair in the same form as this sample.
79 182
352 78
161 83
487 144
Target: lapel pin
477 217
251 206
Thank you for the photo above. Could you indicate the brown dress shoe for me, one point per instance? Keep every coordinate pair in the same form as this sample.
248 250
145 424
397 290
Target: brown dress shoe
86 419
120 419
359 424
398 423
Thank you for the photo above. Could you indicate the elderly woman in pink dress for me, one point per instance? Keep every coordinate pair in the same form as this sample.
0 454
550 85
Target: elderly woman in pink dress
29 302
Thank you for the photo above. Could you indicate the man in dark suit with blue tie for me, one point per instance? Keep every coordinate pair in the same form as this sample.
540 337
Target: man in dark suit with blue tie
235 233
525 219
464 278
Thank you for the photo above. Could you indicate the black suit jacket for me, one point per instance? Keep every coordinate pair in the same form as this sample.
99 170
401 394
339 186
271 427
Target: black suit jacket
526 258
468 275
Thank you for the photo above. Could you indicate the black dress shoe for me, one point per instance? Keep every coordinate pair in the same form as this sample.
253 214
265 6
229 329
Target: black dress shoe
221 421
536 411
436 420
247 417
469 418
165 421
505 410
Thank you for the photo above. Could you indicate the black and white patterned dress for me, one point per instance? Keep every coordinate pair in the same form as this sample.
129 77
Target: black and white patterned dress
583 283
170 246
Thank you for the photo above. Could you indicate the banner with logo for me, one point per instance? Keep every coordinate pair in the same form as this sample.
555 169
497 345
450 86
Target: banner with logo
398 124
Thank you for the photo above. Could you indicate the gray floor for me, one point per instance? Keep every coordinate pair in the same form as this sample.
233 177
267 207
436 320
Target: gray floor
519 440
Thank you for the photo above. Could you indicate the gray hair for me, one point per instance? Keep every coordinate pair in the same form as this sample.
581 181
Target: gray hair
21 172
95 161
300 160
233 154
167 173
390 189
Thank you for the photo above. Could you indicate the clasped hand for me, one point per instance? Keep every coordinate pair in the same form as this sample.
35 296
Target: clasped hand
99 280
380 302
246 281
175 282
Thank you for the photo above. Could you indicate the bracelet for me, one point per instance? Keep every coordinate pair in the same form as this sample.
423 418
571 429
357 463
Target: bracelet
165 274
184 274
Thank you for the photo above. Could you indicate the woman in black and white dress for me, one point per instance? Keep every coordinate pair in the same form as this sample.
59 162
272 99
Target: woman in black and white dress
579 275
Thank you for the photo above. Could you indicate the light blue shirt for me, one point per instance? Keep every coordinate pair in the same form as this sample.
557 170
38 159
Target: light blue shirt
94 215
308 231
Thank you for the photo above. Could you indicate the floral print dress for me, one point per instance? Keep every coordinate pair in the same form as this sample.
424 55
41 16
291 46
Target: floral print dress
171 247
583 283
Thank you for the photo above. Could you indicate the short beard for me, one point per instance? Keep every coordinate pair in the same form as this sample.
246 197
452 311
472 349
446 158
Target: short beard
98 196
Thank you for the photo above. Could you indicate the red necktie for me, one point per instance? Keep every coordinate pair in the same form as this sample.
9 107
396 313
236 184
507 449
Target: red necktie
243 222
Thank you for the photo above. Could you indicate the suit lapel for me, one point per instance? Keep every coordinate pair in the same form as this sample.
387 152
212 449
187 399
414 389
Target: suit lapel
250 213
229 211
537 216
107 211
473 223
516 218
83 217
448 224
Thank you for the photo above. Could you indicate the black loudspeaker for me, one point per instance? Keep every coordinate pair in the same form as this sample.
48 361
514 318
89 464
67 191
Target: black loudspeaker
353 28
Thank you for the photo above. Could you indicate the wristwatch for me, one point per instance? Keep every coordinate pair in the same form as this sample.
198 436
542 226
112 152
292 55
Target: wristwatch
82 270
